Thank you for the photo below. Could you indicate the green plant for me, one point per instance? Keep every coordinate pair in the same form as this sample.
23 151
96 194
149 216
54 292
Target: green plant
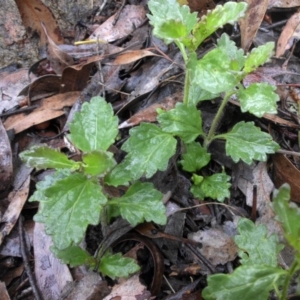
73 197
259 272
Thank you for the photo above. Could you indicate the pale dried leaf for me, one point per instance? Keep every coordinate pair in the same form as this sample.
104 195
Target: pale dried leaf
290 32
283 3
251 21
131 17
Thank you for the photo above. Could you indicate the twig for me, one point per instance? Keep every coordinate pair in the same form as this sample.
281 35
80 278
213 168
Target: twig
118 13
25 255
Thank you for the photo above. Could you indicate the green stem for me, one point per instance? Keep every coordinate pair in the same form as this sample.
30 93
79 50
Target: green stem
217 118
186 87
287 280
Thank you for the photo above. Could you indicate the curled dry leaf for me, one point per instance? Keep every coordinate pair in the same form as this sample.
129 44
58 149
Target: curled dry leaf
290 32
131 17
58 58
132 56
252 20
34 12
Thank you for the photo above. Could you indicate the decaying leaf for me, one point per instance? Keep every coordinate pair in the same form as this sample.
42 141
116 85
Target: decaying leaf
131 17
283 3
6 165
58 58
50 108
252 20
290 32
33 12
285 172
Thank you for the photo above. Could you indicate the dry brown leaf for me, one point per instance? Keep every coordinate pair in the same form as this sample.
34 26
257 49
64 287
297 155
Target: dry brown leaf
290 32
51 275
6 165
131 56
283 3
33 12
131 17
252 20
17 199
58 59
284 171
50 108
3 292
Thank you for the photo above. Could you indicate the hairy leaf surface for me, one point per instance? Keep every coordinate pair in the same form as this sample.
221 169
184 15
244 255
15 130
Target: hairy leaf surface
215 186
183 121
74 256
115 265
95 127
142 202
195 157
247 142
288 214
258 56
98 162
255 244
43 157
69 206
246 282
170 20
217 18
258 99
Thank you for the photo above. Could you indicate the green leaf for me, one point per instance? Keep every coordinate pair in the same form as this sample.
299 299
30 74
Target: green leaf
142 202
115 265
95 127
247 142
195 157
256 246
258 56
288 214
258 99
170 20
69 206
98 162
212 72
74 256
198 94
183 121
149 150
221 15
215 186
246 282
236 56
43 157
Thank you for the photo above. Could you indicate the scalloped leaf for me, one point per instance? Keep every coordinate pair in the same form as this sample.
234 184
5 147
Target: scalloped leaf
98 162
69 205
230 12
246 282
258 57
74 256
258 99
288 213
44 157
142 202
247 142
95 127
256 246
215 186
149 150
170 20
115 265
195 157
183 121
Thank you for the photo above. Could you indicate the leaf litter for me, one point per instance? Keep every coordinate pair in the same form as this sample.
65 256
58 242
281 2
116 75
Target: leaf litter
139 77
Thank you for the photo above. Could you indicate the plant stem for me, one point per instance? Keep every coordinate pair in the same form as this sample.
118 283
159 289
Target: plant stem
287 280
186 87
217 118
